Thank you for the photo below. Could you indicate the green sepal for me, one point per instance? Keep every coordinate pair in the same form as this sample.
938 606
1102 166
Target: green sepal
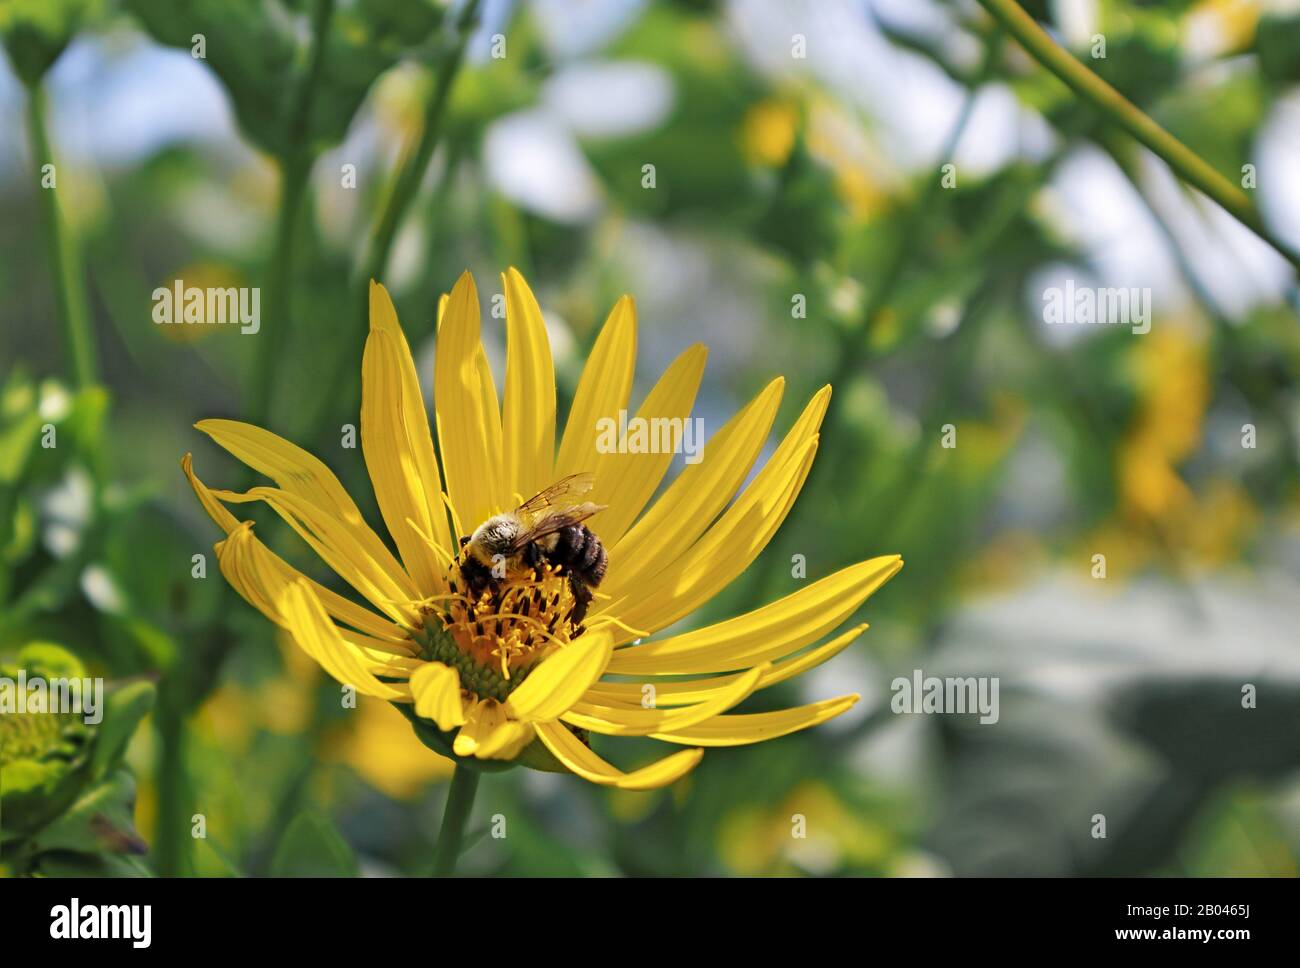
534 756
440 741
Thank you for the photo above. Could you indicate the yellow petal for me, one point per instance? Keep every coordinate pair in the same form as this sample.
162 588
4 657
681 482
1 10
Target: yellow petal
489 734
559 680
398 448
436 688
528 421
733 542
741 729
571 751
469 461
725 551
777 629
602 390
627 720
696 497
291 467
702 690
491 410
393 594
625 482
341 608
316 635
251 571
261 578
303 476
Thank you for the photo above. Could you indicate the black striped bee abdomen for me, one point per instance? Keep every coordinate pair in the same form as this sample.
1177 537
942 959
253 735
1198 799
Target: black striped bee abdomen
579 551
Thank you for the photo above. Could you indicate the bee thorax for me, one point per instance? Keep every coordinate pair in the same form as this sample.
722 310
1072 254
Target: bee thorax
495 536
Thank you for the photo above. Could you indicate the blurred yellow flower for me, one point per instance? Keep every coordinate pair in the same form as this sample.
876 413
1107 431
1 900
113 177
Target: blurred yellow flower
768 132
810 830
377 742
1173 386
206 277
839 142
1214 27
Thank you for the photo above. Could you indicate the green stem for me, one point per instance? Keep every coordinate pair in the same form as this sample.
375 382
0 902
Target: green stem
402 191
295 168
460 801
292 191
416 161
1188 165
64 264
172 842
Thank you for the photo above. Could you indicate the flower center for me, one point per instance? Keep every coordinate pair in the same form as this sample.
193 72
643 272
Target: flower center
495 637
37 736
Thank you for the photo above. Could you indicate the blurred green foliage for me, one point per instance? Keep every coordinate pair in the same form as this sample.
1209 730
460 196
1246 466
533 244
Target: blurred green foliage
770 183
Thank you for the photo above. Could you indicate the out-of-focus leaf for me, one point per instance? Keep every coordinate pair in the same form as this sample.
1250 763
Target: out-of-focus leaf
35 32
1278 43
16 442
1202 725
124 707
696 163
312 847
259 53
101 821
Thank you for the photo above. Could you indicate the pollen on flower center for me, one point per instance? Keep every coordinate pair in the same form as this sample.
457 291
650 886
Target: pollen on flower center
494 640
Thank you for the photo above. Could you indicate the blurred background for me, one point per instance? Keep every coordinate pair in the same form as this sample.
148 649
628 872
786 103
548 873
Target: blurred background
798 223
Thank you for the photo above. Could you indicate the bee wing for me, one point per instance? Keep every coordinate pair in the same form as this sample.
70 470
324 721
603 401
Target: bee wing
559 494
554 521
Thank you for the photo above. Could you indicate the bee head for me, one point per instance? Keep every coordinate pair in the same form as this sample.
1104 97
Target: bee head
493 537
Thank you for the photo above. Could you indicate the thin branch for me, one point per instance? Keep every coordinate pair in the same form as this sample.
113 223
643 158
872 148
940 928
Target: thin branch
1188 165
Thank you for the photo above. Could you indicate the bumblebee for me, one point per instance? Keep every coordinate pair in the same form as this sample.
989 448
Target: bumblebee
546 529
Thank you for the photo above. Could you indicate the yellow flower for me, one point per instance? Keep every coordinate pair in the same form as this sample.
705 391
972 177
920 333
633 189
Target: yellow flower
509 674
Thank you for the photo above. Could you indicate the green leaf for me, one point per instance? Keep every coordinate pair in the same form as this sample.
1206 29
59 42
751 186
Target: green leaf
313 847
1278 43
16 442
102 820
124 707
49 661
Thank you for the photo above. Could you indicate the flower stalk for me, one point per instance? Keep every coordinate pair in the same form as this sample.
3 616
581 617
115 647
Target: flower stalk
416 161
295 169
68 288
455 818
1188 165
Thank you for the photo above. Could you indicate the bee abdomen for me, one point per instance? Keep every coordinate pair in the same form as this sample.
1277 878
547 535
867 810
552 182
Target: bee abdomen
569 549
594 559
579 550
